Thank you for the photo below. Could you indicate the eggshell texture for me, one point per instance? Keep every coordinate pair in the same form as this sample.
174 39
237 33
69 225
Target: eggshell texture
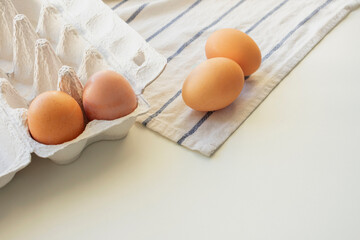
107 96
236 45
213 85
55 117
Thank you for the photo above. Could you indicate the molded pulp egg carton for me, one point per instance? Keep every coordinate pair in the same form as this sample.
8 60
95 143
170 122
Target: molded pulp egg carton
56 45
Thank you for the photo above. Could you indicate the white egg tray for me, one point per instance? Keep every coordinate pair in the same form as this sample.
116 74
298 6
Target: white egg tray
56 45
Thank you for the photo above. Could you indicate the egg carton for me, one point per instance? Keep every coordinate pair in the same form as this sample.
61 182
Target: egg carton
56 45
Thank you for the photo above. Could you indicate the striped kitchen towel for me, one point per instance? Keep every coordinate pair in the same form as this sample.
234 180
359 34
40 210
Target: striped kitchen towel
285 30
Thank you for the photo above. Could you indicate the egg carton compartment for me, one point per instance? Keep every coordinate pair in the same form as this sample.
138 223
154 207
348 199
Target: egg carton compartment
57 45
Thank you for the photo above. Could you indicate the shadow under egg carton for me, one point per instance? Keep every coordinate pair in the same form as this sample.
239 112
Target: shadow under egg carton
56 45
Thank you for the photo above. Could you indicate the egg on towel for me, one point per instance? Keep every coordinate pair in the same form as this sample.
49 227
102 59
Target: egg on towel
236 45
213 85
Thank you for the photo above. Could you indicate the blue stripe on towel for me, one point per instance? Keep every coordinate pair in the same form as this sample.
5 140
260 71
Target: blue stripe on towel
196 36
119 4
180 50
295 29
173 21
266 16
193 130
179 92
208 114
134 15
162 108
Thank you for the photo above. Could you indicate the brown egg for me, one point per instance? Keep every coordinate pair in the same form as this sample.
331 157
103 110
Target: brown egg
236 45
108 95
213 85
55 117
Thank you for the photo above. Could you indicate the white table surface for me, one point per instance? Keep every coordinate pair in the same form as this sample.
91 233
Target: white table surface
291 171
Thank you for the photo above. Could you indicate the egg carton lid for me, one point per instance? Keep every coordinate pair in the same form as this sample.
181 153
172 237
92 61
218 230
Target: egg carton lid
109 35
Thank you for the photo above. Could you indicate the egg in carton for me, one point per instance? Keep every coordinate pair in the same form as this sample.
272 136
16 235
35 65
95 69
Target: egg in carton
56 45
